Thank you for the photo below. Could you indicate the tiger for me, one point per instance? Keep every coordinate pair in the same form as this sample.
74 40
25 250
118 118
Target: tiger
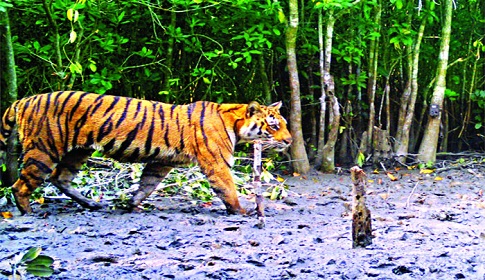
59 131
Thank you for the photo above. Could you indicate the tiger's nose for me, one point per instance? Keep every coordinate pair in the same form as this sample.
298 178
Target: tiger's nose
288 141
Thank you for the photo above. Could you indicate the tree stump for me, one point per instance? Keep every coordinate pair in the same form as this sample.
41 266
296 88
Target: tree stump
361 216
381 145
258 148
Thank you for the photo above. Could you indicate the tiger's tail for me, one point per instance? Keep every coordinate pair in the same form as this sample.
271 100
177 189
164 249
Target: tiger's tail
9 120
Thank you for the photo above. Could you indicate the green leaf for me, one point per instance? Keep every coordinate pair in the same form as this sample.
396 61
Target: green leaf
276 31
36 46
76 68
31 254
478 125
40 270
41 260
360 159
266 176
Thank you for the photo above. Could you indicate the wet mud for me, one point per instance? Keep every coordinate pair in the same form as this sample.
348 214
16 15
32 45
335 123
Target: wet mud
423 228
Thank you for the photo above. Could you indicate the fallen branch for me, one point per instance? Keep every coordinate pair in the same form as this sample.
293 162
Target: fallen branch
411 194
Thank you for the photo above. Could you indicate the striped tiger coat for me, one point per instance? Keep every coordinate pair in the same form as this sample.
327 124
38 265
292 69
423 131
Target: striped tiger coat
59 131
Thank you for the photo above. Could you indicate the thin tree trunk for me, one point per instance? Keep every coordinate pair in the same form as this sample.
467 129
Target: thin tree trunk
372 82
402 145
313 142
298 152
169 57
323 104
10 95
427 150
328 163
328 150
264 79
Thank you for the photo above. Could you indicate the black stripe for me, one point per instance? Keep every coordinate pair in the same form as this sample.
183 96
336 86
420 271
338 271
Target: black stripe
127 143
51 141
78 103
41 146
144 118
165 136
89 139
229 144
224 159
67 96
190 110
161 114
44 168
153 155
109 145
112 105
27 180
172 109
67 130
98 102
148 142
125 112
182 142
47 104
77 127
138 106
105 129
201 122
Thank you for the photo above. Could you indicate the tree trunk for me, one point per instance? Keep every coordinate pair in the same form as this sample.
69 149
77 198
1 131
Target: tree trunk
298 152
328 150
328 163
12 156
427 150
408 104
264 79
166 88
323 97
372 81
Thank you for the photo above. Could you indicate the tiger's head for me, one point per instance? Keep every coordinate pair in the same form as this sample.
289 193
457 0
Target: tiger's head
265 123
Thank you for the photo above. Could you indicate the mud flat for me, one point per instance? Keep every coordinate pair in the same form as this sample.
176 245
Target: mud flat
423 229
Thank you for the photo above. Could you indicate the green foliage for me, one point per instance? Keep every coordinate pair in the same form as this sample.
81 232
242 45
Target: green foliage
401 34
427 165
188 181
478 97
360 159
451 95
32 262
4 5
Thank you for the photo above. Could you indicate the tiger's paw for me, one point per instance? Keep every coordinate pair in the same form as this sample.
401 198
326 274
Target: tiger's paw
239 211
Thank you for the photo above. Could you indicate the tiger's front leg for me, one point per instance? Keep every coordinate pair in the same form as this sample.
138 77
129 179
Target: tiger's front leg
221 181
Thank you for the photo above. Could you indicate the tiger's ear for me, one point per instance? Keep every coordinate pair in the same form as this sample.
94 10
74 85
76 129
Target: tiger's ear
253 108
276 105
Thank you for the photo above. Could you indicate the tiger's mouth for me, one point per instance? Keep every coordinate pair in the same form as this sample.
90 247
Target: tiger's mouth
278 146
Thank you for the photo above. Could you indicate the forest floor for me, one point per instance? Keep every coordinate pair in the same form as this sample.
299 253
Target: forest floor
425 226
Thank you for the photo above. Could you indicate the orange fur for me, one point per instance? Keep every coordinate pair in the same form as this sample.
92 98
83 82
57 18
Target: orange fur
58 132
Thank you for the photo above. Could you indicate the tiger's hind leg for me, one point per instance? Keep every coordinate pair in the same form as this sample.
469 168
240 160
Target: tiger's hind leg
66 171
36 167
152 175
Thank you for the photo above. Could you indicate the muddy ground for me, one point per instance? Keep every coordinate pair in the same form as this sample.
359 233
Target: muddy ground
436 231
